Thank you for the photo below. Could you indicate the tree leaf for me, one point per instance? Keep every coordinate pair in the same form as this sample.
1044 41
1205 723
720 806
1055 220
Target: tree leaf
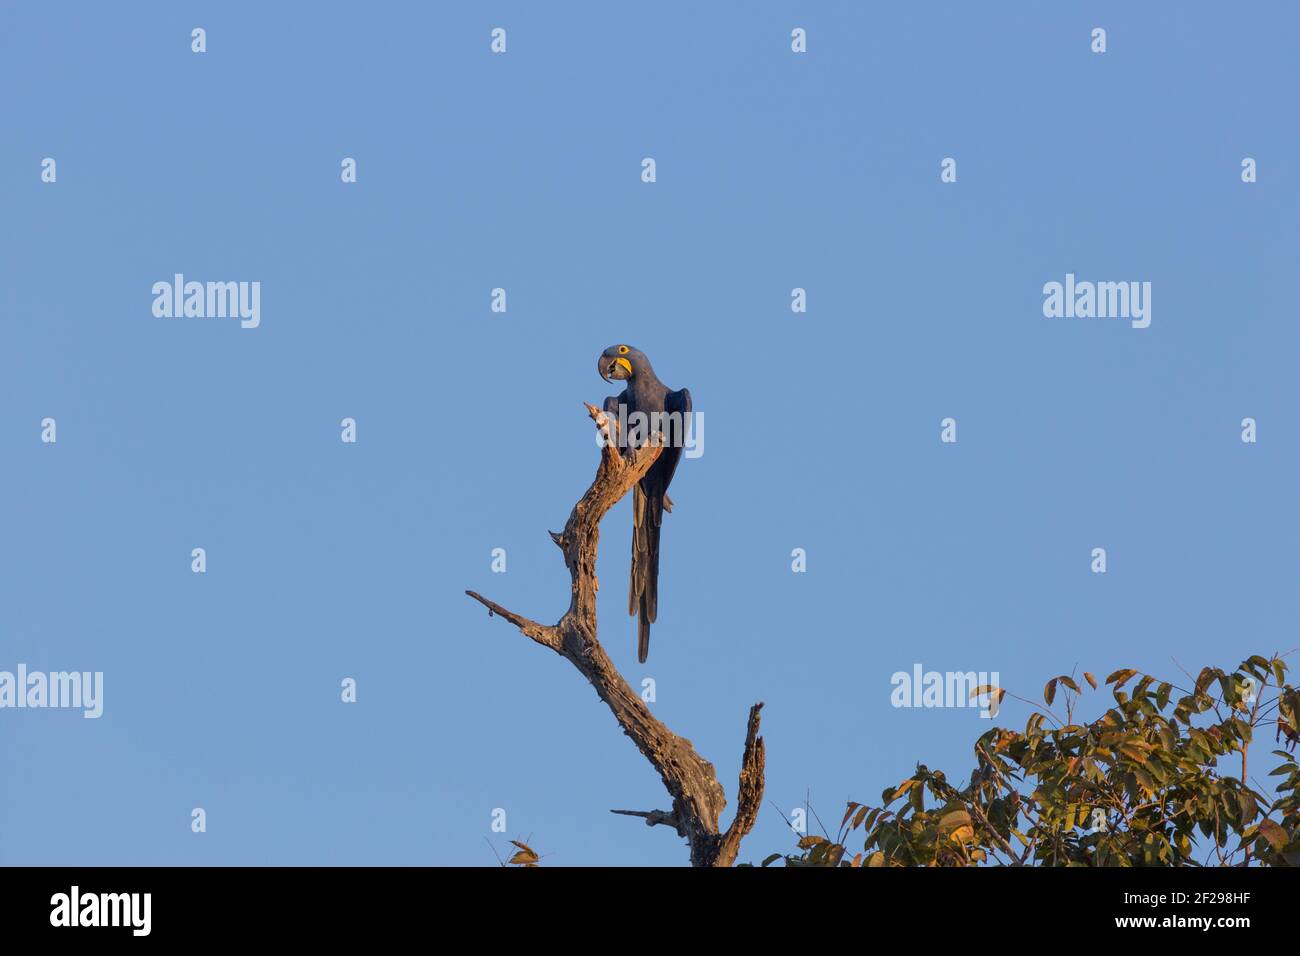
953 820
524 857
1162 695
1273 833
889 796
848 813
1249 806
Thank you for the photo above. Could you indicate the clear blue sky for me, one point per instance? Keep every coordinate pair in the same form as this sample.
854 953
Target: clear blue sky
522 171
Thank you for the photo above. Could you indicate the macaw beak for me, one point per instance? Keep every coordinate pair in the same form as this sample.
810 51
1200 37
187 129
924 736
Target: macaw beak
613 368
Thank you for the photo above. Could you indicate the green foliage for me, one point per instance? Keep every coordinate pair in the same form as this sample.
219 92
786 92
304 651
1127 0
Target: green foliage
1145 784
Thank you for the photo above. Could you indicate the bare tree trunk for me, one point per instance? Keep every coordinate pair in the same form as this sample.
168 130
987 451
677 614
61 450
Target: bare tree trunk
697 797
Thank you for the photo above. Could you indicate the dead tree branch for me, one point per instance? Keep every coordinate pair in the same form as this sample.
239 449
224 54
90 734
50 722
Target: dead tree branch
698 798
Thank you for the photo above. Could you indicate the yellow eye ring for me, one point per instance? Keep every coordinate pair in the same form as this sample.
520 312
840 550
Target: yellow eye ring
623 350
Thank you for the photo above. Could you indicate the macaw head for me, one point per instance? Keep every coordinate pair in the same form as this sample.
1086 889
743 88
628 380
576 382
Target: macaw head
621 362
